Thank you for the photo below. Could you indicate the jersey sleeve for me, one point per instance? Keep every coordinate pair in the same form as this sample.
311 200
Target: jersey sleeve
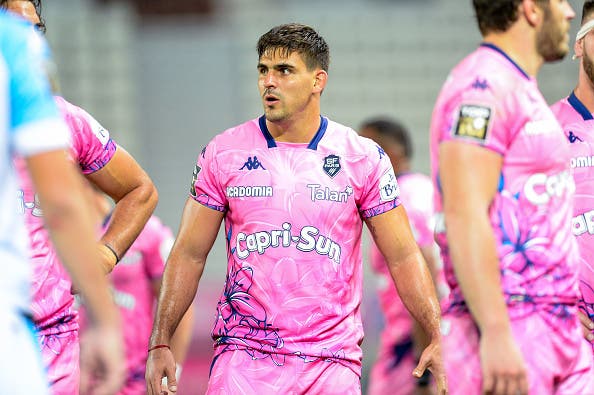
380 192
158 248
205 187
34 122
478 117
91 142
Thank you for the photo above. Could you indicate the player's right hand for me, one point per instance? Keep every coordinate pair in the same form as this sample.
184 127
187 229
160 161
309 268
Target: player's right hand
503 366
160 363
102 363
587 326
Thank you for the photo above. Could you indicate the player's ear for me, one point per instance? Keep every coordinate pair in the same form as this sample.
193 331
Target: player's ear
532 11
577 48
320 79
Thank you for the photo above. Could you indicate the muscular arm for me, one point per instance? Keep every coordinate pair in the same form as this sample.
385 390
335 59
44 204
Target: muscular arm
469 178
392 235
470 237
198 231
180 340
135 197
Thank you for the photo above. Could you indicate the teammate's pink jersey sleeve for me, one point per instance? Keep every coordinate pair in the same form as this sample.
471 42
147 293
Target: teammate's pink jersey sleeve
91 142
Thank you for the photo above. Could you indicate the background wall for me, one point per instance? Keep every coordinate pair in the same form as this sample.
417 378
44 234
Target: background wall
164 86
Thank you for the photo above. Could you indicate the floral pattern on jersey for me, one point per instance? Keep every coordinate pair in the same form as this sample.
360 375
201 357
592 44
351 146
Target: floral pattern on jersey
242 320
51 338
524 238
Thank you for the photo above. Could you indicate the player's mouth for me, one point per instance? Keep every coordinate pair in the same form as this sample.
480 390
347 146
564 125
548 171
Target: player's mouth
271 99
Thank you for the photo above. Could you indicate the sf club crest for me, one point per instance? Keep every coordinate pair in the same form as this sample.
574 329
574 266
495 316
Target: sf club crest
331 165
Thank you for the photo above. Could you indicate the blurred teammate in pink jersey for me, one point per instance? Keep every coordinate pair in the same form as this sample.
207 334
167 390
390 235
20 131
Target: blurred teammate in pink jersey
294 189
402 338
136 281
575 115
116 173
500 164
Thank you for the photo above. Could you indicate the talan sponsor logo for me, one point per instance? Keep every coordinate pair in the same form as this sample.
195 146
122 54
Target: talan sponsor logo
309 239
582 161
317 192
583 223
244 191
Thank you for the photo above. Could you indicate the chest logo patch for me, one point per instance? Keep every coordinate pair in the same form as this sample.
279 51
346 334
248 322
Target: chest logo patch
332 165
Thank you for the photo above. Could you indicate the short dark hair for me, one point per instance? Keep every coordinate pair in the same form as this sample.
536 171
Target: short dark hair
497 15
391 128
587 10
295 37
37 4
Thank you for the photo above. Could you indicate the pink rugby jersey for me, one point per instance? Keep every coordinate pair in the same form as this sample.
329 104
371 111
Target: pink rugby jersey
489 101
578 125
416 194
293 221
91 148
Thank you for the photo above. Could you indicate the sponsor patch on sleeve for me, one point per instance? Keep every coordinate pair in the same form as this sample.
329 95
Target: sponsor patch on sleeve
194 178
473 122
388 187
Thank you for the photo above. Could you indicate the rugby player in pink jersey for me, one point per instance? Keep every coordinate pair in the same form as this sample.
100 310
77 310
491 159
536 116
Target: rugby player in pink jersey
136 281
500 164
575 115
402 338
116 173
294 189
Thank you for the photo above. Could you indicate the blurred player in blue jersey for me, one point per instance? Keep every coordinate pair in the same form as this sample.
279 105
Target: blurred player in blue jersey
30 126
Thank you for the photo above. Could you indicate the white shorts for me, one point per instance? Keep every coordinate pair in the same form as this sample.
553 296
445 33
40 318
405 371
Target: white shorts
21 369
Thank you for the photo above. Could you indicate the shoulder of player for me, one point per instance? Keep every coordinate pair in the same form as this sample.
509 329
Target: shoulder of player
242 133
347 140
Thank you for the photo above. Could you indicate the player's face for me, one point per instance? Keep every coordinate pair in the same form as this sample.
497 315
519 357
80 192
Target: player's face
552 41
25 9
285 84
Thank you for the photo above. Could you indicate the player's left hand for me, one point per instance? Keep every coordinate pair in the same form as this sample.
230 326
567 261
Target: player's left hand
431 359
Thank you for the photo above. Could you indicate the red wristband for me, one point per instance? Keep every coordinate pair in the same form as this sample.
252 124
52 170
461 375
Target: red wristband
159 346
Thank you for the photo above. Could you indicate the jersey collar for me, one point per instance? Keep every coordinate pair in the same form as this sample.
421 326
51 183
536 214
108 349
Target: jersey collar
313 144
579 107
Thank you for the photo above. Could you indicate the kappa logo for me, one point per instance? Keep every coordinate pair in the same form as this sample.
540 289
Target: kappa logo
252 164
573 138
332 165
380 151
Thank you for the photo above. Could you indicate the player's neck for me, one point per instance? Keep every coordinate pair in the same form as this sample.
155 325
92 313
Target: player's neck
584 91
300 128
519 46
